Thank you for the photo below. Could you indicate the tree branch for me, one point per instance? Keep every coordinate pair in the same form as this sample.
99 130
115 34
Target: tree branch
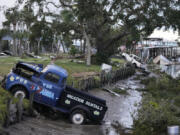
65 5
116 38
50 2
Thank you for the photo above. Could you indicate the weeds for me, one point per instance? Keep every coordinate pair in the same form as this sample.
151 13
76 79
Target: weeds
160 106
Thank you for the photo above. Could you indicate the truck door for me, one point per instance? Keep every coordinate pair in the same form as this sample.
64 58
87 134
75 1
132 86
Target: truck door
50 90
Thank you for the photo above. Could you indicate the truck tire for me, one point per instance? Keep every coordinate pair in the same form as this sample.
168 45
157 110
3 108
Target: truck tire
78 117
16 91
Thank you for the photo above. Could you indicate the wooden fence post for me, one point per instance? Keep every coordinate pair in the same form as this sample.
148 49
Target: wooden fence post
31 102
20 108
7 121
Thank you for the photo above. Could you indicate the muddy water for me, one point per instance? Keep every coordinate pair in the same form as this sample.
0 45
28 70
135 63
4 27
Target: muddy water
120 108
124 107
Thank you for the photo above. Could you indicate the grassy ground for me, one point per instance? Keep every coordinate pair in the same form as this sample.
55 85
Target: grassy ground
121 61
6 64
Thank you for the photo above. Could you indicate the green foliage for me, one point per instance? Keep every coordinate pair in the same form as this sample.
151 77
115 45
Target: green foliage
3 107
4 32
154 117
138 18
101 57
160 106
117 62
5 45
67 16
110 23
162 87
177 101
73 50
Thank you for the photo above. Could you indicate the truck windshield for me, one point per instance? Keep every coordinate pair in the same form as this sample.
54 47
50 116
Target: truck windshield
24 72
63 82
52 77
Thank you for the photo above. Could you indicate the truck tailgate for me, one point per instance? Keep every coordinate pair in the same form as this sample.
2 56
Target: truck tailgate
95 107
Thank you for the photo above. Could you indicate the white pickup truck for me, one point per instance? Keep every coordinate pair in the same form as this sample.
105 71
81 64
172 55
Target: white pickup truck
133 59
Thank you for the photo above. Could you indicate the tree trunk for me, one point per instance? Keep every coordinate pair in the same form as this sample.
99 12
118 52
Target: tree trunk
52 50
81 46
88 44
84 46
14 40
58 48
28 46
38 47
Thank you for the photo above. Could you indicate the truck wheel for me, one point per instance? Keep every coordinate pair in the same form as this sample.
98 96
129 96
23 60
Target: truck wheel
17 91
78 117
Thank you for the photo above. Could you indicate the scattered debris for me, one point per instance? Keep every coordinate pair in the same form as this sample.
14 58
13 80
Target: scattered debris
52 57
105 67
161 60
8 53
32 55
110 91
3 54
77 61
132 59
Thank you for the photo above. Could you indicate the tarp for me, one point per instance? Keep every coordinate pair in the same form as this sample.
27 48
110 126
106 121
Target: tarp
161 60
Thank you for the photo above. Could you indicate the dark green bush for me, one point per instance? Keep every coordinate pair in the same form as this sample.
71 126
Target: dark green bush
154 117
73 50
160 106
163 87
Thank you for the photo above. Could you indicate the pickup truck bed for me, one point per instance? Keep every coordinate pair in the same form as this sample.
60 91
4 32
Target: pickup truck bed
72 98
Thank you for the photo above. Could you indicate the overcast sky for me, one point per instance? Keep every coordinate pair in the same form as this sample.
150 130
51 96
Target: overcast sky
168 35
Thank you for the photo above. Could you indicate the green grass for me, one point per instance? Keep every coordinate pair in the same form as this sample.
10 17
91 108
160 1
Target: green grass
6 64
121 61
72 67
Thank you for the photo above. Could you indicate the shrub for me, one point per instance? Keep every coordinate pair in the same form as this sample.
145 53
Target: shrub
73 50
162 87
154 117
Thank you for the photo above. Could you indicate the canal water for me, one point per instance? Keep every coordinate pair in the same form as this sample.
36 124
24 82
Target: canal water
121 110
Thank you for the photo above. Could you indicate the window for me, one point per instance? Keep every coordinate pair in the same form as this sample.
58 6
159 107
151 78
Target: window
52 77
63 82
23 72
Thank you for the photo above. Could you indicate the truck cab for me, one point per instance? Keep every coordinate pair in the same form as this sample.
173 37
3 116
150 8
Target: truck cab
49 86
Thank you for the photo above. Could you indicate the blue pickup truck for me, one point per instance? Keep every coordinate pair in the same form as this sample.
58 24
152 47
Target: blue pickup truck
49 85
